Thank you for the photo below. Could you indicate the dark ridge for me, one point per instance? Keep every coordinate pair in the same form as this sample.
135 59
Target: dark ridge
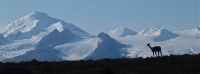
175 64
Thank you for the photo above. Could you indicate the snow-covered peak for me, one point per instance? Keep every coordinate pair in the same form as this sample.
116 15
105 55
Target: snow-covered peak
151 31
121 32
35 15
37 22
156 31
158 34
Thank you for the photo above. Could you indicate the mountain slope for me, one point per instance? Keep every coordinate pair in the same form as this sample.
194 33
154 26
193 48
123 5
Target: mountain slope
165 35
107 48
79 49
47 54
55 38
44 51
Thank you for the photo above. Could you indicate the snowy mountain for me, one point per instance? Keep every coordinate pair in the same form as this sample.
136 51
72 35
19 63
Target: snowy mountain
121 32
25 34
107 48
160 34
39 36
35 23
44 51
178 42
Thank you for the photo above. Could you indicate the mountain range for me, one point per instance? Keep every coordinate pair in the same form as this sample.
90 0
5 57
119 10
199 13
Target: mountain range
39 36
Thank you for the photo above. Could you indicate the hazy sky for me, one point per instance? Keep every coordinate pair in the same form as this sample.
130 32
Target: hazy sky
95 16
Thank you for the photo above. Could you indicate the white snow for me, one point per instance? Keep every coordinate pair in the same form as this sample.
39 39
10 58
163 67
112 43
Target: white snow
18 47
151 31
57 26
78 50
22 26
121 32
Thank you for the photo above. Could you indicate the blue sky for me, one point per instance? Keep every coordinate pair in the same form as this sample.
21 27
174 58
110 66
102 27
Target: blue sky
95 16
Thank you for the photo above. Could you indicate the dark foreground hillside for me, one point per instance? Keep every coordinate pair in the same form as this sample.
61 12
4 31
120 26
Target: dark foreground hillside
173 64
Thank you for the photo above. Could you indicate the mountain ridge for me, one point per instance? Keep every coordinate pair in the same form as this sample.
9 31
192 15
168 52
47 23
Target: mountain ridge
38 33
